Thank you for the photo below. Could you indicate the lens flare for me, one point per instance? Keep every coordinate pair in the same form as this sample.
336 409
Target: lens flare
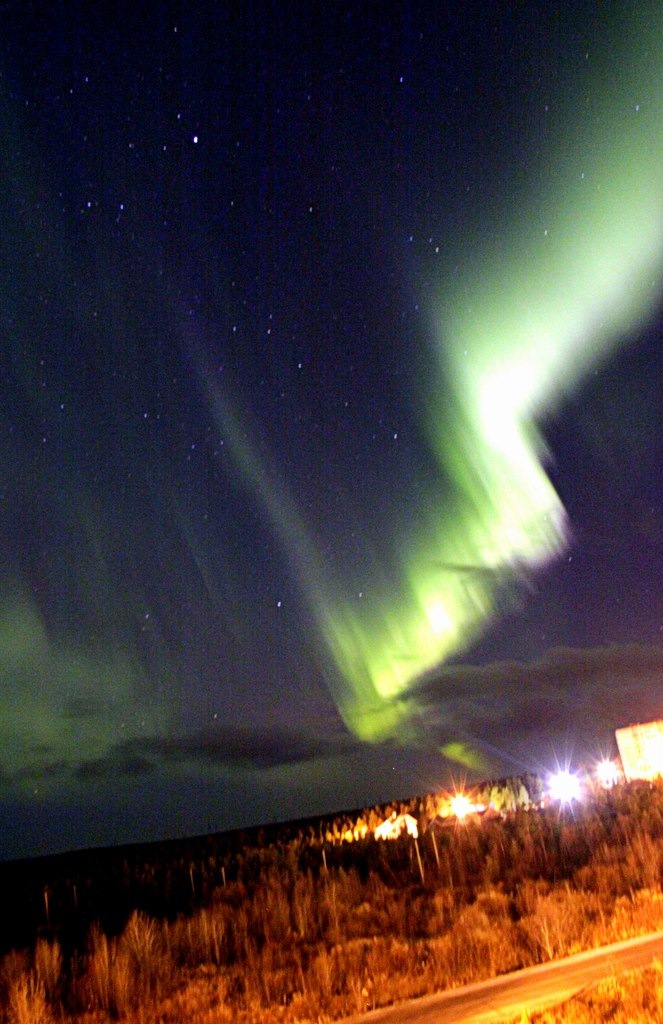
564 787
461 806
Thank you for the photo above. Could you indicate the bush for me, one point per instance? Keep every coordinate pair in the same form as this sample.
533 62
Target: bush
27 1002
48 968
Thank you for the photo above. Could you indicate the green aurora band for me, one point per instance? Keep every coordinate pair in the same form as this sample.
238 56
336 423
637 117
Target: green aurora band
571 272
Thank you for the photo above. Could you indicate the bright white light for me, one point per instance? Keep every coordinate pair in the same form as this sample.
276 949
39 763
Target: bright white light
564 787
439 618
461 806
607 773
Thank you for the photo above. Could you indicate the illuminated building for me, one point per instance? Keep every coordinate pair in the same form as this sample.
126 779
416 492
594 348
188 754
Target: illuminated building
641 750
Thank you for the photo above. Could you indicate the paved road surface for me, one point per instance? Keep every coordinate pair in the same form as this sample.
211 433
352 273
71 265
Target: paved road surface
530 989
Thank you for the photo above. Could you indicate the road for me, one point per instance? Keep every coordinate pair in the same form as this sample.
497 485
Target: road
533 988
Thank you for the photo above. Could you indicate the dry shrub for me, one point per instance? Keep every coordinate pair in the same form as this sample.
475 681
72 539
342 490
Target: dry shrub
199 939
278 975
443 914
495 904
563 922
349 889
337 897
632 998
604 879
200 997
285 945
390 963
304 907
270 909
141 943
634 915
643 863
27 1002
361 911
48 968
13 967
322 975
640 994
336 978
528 894
331 910
108 981
241 937
546 929
480 946
364 974
211 930
126 973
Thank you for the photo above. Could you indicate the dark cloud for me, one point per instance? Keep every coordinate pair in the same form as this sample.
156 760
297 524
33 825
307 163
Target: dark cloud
587 692
220 746
40 772
583 694
81 708
259 748
41 749
112 765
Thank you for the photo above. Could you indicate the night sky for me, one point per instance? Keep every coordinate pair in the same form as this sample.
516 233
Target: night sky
330 404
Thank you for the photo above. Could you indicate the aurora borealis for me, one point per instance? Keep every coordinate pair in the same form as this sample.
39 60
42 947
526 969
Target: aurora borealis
574 272
331 390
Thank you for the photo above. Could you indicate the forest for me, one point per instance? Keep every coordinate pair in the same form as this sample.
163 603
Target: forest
318 921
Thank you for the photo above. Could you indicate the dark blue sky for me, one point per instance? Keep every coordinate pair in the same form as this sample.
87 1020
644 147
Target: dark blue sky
224 232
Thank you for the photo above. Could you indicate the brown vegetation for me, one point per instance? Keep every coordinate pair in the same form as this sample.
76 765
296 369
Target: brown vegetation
632 998
288 935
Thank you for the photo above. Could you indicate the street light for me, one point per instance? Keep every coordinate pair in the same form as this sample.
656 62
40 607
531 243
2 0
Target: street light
461 806
564 787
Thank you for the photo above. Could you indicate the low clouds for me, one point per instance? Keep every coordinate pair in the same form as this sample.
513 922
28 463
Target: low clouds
507 711
113 765
70 713
220 746
584 694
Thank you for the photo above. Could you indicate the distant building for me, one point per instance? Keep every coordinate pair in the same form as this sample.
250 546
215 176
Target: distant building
397 825
641 750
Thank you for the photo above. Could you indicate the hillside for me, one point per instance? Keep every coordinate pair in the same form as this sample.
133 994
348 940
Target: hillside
292 924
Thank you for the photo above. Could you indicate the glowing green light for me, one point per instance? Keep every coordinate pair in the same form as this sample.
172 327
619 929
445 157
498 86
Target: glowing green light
461 754
61 703
569 276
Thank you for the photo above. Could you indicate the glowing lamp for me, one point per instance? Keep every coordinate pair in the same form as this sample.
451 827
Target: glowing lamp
461 806
564 787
